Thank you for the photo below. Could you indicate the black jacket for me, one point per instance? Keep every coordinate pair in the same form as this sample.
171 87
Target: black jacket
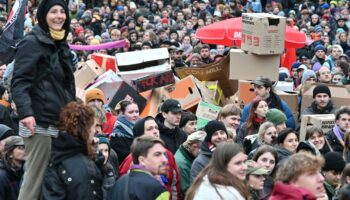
43 80
334 142
172 138
10 179
71 175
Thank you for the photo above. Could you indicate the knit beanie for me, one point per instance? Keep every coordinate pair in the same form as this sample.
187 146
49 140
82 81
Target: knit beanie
94 94
212 127
275 116
321 89
296 65
307 74
43 9
333 161
139 127
5 132
104 140
316 67
320 47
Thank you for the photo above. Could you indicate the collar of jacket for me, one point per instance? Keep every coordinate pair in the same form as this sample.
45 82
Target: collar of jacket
42 36
188 155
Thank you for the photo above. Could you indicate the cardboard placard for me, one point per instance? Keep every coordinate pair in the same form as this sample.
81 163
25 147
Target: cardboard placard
205 113
86 73
291 98
107 62
154 81
263 33
213 72
340 96
109 83
325 122
155 100
215 91
248 66
126 92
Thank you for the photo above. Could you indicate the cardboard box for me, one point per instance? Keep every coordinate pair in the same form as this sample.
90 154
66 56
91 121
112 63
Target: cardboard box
213 72
86 73
263 33
126 92
108 82
154 101
216 93
247 66
205 113
291 98
154 81
189 91
340 96
285 86
107 62
246 92
325 122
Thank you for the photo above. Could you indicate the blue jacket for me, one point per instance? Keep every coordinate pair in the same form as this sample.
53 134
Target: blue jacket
285 108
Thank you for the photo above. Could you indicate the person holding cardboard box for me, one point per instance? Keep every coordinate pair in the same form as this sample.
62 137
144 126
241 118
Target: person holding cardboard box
336 135
322 103
263 88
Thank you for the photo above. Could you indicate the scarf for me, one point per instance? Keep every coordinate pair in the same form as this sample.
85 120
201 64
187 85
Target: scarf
123 127
57 35
211 147
258 120
339 134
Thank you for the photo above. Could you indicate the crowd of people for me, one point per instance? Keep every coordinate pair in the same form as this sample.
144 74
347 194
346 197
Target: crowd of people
54 145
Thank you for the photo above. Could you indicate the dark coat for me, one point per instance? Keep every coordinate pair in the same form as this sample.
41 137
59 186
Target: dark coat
201 161
334 142
314 110
10 180
71 174
172 138
137 185
43 80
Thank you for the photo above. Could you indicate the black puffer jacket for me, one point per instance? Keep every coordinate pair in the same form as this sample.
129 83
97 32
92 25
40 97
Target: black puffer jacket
10 179
71 175
43 80
172 138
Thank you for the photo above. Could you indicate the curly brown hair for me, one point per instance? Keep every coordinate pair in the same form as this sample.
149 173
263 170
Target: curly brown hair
77 119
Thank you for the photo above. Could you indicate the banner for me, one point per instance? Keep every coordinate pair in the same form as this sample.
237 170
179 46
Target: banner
108 45
13 32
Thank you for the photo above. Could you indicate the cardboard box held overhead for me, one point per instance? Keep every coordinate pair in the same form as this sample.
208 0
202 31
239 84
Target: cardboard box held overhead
247 66
213 72
246 92
340 96
325 122
86 73
189 91
107 62
205 113
154 81
263 33
108 82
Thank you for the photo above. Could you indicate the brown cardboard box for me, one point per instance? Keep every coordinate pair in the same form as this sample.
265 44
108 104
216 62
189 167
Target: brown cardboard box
291 98
189 91
325 122
263 33
247 66
246 92
86 73
213 72
154 101
340 96
205 113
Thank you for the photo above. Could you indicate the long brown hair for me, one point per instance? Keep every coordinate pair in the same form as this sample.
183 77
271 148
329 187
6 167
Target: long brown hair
217 171
76 119
252 115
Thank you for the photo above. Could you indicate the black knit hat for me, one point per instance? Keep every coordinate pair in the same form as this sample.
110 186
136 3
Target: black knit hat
139 127
321 89
43 9
212 127
333 161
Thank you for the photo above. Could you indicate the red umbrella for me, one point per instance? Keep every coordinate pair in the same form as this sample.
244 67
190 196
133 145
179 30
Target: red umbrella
228 33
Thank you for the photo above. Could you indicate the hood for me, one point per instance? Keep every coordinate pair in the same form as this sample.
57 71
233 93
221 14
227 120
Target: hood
327 110
163 129
283 191
66 146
